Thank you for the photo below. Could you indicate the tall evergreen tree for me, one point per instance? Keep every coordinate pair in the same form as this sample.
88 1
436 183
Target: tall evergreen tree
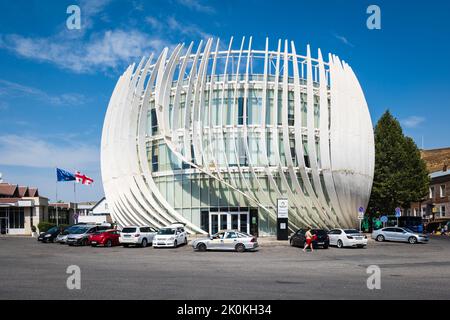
400 174
416 179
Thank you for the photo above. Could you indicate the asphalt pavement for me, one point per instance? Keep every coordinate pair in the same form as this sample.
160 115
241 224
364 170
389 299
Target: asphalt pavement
33 270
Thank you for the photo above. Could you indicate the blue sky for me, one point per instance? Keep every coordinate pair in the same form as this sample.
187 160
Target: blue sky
55 83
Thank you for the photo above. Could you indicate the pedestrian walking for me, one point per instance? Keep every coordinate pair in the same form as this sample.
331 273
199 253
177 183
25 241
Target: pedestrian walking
309 242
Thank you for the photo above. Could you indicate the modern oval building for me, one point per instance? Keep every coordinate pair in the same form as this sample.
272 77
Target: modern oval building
213 134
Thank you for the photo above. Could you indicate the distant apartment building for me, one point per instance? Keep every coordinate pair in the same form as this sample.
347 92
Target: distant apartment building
436 206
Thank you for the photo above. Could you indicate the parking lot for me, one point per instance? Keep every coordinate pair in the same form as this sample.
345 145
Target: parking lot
33 270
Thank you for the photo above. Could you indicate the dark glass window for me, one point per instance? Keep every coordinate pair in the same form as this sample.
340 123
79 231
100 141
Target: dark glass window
240 111
154 122
155 153
307 164
204 220
16 218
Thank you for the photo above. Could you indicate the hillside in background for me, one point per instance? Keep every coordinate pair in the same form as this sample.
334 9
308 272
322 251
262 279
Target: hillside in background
436 158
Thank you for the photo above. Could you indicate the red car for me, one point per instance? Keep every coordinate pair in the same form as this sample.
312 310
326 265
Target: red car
107 238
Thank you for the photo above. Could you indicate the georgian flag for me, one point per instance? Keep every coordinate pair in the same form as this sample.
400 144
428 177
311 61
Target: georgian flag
83 179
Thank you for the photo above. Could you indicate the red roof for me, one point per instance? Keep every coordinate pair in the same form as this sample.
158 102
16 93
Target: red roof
23 191
8 190
8 200
14 191
33 192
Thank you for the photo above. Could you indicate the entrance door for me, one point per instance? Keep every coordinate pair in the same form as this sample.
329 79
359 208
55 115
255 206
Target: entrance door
230 220
3 226
214 223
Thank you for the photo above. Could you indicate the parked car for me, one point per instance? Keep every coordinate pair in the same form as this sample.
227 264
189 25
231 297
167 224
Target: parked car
233 240
80 236
298 239
106 238
62 236
347 238
399 234
137 235
170 236
50 235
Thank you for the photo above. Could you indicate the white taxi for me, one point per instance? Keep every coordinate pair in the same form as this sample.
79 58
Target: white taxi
171 236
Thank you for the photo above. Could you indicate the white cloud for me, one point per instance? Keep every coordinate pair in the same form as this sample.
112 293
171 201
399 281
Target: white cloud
197 5
30 151
103 51
154 23
412 121
344 40
170 26
14 90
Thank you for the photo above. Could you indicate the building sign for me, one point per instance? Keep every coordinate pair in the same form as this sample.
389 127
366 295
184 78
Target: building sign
282 208
25 203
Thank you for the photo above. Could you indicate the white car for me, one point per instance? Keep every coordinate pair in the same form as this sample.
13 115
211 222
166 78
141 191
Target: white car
137 235
171 236
347 238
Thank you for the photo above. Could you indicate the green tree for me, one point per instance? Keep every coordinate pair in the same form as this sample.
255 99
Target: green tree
400 174
416 179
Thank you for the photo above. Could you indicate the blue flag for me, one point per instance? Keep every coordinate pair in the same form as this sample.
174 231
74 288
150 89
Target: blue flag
62 175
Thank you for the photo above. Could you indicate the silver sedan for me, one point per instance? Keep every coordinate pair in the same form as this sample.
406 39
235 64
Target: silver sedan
399 234
227 240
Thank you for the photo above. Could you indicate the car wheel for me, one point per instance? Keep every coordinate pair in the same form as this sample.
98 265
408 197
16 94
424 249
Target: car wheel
84 242
325 246
412 240
125 245
108 243
240 247
340 244
144 243
201 247
380 238
93 245
175 244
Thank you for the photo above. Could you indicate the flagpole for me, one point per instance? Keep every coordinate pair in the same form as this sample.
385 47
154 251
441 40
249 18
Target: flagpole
57 220
75 199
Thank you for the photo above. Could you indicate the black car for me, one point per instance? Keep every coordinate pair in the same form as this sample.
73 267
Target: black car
50 235
298 239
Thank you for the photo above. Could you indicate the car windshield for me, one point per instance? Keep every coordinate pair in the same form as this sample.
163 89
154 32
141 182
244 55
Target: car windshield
128 230
351 231
166 231
244 235
70 229
80 230
51 230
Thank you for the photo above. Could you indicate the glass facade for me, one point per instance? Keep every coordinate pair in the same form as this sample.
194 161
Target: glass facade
191 192
225 134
